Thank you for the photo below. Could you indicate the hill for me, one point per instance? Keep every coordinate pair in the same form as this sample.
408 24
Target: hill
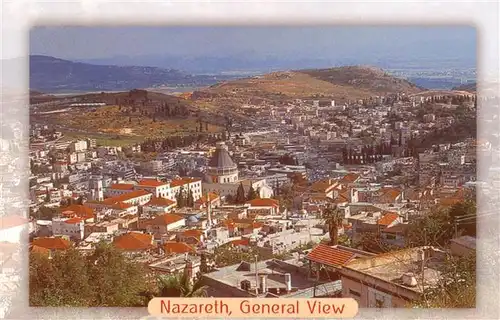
469 87
340 84
53 75
128 117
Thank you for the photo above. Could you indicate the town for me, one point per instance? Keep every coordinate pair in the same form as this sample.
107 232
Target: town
366 199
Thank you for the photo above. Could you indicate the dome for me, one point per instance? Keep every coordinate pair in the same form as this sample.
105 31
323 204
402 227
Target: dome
221 158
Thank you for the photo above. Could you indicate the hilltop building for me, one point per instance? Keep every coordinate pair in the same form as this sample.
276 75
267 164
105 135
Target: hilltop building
222 176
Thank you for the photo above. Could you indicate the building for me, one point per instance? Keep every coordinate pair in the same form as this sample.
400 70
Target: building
164 223
267 279
186 184
263 207
154 166
221 168
158 188
134 242
391 280
73 228
158 206
463 246
51 243
222 176
96 189
78 146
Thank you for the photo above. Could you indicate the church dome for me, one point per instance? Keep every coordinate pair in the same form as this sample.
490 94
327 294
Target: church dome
221 168
221 158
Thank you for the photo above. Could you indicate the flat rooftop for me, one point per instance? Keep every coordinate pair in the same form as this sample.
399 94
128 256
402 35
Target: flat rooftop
275 270
391 266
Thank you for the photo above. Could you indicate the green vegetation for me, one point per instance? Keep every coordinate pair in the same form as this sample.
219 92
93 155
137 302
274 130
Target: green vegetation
179 285
457 288
333 219
106 278
441 225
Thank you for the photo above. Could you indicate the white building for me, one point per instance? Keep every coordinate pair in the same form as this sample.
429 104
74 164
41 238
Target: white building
78 146
192 184
72 228
72 158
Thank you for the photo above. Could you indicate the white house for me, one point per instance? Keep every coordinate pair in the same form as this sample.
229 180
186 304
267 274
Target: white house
72 228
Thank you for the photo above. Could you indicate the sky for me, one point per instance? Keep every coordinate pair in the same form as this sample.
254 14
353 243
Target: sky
80 43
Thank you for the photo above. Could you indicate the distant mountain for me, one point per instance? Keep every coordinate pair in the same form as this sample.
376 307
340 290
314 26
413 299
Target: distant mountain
49 74
243 63
469 87
251 62
340 84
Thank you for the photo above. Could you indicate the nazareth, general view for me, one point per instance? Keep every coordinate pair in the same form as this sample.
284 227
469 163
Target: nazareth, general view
269 162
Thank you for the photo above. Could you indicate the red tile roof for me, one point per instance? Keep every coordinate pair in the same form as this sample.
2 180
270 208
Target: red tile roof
121 206
177 247
183 181
79 211
166 219
122 186
134 241
241 242
125 197
329 256
391 193
322 186
264 202
193 233
349 178
161 202
73 221
387 219
39 250
151 183
54 243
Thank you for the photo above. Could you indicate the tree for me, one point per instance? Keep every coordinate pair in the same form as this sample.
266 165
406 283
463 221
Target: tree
115 279
46 213
203 264
229 198
47 197
441 225
180 198
464 214
179 285
190 199
59 282
433 229
240 194
457 288
333 219
252 194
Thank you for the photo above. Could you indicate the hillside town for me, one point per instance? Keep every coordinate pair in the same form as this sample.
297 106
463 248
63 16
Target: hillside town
311 198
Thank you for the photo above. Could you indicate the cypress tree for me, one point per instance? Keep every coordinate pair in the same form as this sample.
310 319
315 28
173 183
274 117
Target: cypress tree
240 194
252 194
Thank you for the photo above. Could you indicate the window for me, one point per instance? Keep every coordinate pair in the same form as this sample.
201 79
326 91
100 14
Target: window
390 237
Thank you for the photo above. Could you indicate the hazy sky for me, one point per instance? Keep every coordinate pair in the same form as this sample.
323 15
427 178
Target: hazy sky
298 42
